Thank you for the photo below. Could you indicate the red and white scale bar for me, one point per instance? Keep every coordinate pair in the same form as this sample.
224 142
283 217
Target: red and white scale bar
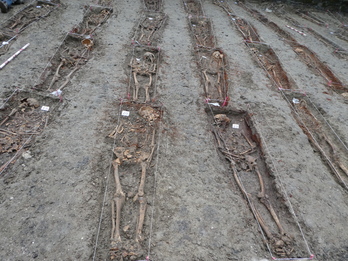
292 28
13 56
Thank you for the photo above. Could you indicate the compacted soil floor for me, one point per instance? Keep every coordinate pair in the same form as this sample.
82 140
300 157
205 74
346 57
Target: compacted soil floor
56 170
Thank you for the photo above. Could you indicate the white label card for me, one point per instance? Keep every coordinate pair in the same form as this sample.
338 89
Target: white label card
125 113
45 108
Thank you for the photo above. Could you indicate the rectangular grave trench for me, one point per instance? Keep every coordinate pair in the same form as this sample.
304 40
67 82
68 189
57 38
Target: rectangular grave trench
94 17
143 73
193 7
4 44
306 55
153 5
240 145
270 62
202 31
29 14
73 53
107 3
331 149
136 137
149 29
212 64
23 117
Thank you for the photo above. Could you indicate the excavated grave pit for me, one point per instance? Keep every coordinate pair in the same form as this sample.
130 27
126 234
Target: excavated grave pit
330 146
263 53
337 50
143 66
212 64
306 55
149 28
104 2
239 143
73 53
311 17
31 13
270 63
94 17
211 61
193 8
153 5
4 42
135 139
22 119
202 32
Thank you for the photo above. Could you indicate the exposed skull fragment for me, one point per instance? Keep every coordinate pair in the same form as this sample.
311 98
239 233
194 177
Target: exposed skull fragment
148 113
222 120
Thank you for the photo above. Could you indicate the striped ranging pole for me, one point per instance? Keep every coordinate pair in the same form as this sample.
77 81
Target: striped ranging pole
292 28
13 56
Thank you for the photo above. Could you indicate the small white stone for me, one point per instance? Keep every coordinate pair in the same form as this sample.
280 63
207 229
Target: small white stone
27 155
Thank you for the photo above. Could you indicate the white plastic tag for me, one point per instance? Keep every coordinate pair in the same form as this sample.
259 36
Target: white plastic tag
125 113
45 108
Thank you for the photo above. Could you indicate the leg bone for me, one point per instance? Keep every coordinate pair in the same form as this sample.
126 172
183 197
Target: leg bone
142 203
119 199
137 85
56 75
264 200
146 87
140 223
251 204
142 181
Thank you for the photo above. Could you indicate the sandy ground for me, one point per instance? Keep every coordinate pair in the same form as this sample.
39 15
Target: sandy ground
55 204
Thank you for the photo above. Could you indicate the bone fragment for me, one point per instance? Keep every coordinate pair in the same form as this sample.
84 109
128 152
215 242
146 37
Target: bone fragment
140 223
17 22
146 87
264 200
142 203
262 186
142 181
342 167
113 219
251 204
6 119
207 82
68 78
247 139
118 130
56 76
152 146
119 198
137 85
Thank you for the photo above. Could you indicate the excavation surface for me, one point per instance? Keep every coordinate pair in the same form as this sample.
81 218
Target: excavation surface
173 130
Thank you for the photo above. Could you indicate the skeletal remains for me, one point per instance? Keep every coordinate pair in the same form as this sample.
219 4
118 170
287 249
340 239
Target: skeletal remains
23 119
202 31
138 140
213 70
145 67
153 5
231 145
29 15
149 24
71 58
327 147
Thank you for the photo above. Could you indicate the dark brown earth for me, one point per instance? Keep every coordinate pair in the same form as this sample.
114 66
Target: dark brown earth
286 91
